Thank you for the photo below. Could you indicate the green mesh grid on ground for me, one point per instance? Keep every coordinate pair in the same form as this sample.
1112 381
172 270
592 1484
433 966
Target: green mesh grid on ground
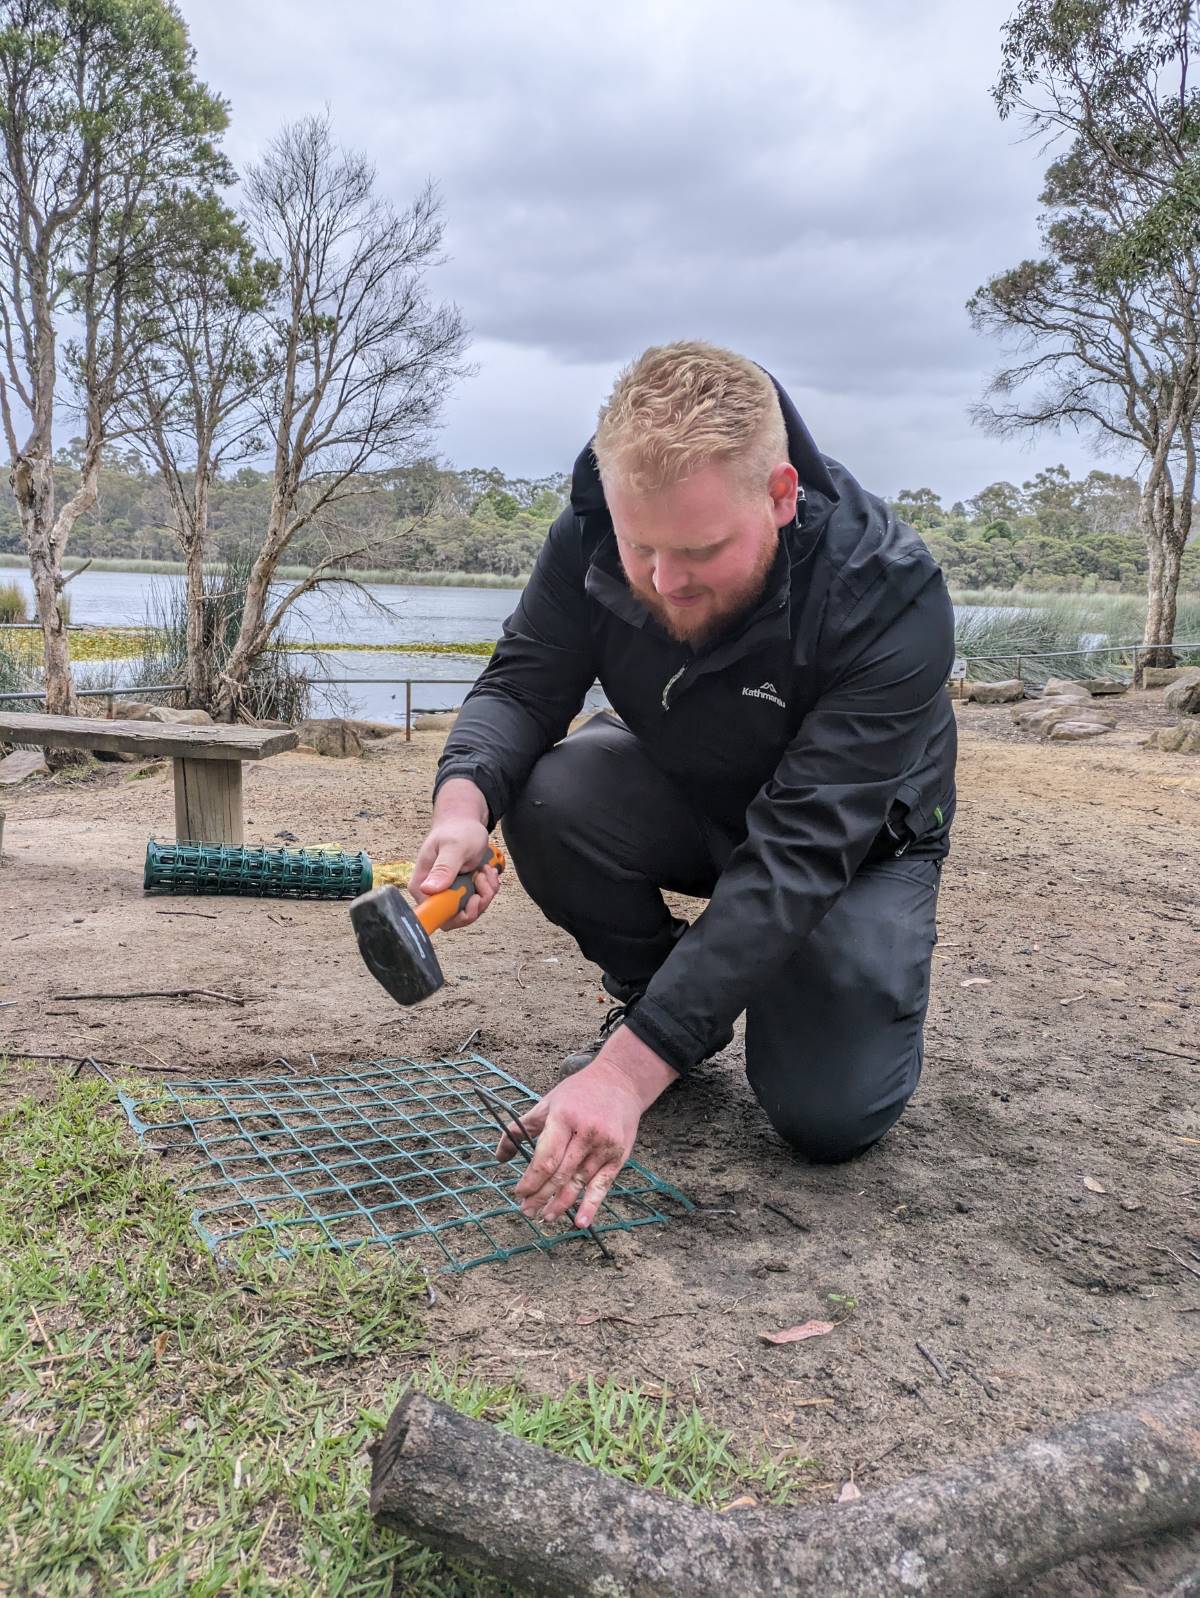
258 873
387 1151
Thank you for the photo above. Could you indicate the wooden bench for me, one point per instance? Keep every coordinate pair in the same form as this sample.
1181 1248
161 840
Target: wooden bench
208 761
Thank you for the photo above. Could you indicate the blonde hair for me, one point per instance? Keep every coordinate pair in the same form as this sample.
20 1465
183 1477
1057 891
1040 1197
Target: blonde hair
684 406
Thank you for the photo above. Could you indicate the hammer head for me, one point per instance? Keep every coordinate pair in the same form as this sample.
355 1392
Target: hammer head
397 948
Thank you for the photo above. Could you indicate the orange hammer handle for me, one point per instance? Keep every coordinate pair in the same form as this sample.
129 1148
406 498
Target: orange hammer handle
434 912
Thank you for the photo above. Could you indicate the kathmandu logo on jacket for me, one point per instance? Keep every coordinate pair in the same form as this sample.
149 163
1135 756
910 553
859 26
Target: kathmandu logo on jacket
765 690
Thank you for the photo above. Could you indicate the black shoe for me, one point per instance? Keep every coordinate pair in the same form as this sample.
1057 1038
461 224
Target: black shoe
589 1051
585 1056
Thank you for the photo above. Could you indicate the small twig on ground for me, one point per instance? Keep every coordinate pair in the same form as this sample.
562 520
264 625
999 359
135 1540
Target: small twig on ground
989 1389
154 993
469 1039
79 1059
208 915
934 1361
521 983
1178 1258
8 1004
1176 1054
778 1209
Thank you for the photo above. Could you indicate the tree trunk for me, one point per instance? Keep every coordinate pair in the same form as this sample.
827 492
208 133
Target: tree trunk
1155 515
564 1530
198 668
251 639
32 480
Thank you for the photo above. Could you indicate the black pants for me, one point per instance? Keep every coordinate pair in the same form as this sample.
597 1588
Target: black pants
834 1042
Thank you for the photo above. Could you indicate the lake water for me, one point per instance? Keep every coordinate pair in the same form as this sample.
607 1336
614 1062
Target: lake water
392 614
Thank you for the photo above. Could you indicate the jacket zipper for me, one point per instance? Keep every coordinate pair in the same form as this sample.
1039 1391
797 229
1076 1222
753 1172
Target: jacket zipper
670 684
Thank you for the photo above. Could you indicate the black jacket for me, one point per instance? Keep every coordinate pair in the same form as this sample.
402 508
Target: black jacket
817 732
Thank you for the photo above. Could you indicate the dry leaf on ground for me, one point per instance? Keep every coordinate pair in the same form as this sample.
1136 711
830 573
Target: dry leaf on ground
797 1334
1093 1186
976 982
849 1493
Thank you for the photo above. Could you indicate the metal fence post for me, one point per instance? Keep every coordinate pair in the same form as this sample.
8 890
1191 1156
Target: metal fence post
1019 676
408 710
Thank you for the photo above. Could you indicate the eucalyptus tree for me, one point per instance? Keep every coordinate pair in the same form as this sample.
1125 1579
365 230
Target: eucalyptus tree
192 382
1107 321
359 361
100 113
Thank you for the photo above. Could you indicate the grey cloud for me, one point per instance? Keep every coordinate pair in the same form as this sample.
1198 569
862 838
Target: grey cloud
821 184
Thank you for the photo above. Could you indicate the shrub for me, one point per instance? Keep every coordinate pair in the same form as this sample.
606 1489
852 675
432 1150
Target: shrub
12 603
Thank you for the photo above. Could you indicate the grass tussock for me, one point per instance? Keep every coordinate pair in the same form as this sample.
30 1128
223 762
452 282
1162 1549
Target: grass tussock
173 1427
995 628
12 603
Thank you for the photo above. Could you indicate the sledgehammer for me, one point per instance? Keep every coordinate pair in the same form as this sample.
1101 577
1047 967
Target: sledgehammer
396 940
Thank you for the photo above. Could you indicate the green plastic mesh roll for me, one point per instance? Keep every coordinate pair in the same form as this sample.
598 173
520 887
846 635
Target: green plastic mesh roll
258 873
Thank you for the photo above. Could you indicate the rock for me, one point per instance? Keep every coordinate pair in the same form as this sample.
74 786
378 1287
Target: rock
435 721
117 756
1042 715
1065 688
372 731
331 736
1183 696
1182 739
1078 727
180 718
1162 676
138 710
994 693
1105 685
22 763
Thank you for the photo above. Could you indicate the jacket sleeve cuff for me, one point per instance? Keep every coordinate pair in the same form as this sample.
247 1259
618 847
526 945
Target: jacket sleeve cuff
474 772
670 1040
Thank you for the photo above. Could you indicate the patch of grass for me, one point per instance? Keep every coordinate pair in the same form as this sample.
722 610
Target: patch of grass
175 1428
12 603
478 647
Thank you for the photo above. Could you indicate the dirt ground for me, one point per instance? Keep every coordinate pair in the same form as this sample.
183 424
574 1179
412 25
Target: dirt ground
1023 1247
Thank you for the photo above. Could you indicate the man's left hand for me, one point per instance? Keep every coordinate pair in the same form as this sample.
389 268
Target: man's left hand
586 1127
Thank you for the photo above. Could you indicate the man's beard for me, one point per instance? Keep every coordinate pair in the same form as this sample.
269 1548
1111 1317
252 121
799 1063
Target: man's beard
700 630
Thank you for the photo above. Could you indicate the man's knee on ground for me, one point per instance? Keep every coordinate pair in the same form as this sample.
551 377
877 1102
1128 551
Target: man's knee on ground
828 1134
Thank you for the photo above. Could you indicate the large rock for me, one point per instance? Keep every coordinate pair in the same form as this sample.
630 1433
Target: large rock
373 731
1065 688
1183 696
994 693
1105 685
1043 715
1183 739
22 763
138 710
1078 727
331 735
1162 676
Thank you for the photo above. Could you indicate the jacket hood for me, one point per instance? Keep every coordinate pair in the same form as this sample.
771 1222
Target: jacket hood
587 491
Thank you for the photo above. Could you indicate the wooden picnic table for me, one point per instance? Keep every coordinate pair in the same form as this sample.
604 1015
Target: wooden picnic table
207 759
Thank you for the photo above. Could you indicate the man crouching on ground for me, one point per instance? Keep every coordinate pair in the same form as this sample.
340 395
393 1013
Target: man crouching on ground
775 646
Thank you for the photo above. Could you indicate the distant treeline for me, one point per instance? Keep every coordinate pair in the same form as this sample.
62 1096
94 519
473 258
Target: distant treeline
427 518
1054 533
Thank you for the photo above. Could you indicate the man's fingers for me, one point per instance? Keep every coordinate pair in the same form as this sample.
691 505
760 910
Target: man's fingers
552 1145
595 1193
570 1190
533 1121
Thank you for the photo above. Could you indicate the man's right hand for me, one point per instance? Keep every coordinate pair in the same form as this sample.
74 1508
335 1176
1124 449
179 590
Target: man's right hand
457 842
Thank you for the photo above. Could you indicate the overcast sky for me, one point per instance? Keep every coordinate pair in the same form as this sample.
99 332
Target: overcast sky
820 184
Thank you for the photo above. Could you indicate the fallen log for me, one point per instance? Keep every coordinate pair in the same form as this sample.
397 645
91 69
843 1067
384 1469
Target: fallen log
567 1531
